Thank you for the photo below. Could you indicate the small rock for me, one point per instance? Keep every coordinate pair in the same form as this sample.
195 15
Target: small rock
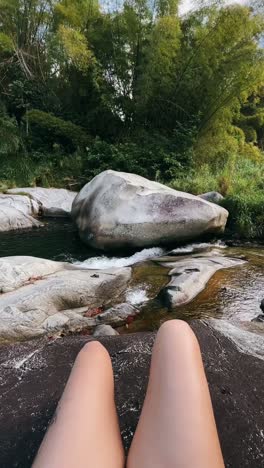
213 197
117 315
55 322
259 318
105 330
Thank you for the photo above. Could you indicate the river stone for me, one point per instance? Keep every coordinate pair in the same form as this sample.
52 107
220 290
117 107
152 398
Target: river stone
16 213
189 276
104 330
117 315
57 301
33 375
52 202
118 209
213 197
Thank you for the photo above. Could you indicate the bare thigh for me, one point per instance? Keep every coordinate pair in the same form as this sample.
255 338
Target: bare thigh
177 426
85 430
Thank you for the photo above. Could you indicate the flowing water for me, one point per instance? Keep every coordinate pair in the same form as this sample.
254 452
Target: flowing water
234 294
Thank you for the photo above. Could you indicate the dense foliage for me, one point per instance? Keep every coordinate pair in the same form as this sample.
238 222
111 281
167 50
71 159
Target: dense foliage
139 88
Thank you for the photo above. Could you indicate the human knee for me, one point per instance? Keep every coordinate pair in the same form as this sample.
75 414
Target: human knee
94 349
174 331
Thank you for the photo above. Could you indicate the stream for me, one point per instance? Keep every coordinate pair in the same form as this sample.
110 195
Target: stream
232 294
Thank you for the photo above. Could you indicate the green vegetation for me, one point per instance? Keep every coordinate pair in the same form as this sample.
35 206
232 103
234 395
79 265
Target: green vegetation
241 182
139 88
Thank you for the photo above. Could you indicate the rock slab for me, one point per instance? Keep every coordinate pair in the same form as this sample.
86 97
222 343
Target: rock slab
52 202
189 276
118 209
16 212
45 297
34 374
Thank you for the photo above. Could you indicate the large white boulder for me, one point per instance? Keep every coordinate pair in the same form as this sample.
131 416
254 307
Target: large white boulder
51 201
119 209
16 212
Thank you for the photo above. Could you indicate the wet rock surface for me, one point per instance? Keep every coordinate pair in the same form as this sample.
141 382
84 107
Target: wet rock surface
33 376
189 276
118 209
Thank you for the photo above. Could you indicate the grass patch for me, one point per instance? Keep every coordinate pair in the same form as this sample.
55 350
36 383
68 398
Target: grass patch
241 182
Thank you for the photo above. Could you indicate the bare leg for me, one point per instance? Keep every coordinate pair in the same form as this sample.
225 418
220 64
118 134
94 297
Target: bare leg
177 426
85 432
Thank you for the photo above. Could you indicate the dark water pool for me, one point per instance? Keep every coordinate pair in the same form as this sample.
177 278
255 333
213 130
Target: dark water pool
56 240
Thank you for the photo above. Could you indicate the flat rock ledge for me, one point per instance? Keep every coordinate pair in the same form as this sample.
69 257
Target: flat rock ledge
51 201
45 297
20 206
33 376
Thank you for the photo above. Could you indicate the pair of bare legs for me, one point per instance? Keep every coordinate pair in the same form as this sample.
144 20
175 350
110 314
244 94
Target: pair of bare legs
176 428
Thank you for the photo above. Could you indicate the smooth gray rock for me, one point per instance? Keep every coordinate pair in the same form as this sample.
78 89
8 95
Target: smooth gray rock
104 330
52 202
19 270
118 209
213 197
189 276
58 300
33 376
16 212
117 315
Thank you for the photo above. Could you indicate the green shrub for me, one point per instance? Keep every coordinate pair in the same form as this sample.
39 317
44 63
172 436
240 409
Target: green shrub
10 141
246 214
46 130
196 181
241 181
148 159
